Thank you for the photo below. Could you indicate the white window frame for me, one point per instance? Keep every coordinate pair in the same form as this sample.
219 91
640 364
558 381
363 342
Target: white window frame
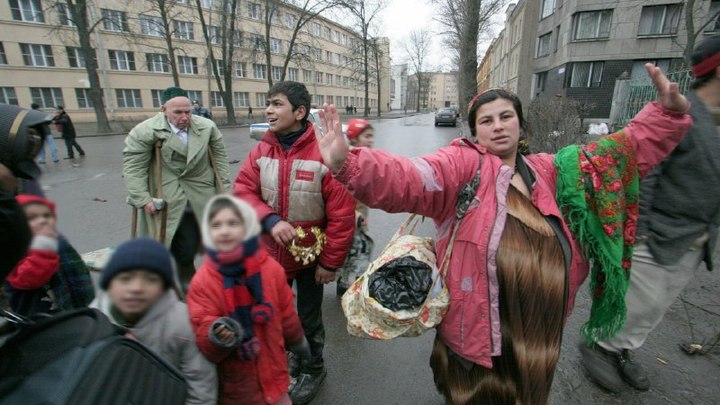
595 18
241 99
64 16
216 99
114 20
290 20
293 74
259 71
547 9
156 96
543 45
38 55
592 72
82 96
75 53
27 11
329 79
183 30
8 96
261 100
121 60
254 11
276 72
195 95
157 63
128 98
209 4
275 45
665 29
3 55
214 34
240 69
319 77
151 25
187 65
307 76
47 97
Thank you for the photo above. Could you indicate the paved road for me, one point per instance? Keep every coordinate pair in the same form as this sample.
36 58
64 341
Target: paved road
93 214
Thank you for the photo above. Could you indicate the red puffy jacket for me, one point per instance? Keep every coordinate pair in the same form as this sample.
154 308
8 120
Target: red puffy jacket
297 186
240 380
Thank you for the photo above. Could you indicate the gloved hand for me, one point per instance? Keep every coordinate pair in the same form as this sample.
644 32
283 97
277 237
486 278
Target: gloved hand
301 349
226 332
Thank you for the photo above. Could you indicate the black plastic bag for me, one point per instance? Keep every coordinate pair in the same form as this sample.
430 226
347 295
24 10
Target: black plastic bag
401 283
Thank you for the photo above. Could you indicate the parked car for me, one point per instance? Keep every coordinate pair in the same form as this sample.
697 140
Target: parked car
446 116
258 130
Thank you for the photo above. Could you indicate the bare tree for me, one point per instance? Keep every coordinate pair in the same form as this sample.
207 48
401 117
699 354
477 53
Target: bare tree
555 122
365 14
227 39
463 21
692 8
417 48
76 13
378 53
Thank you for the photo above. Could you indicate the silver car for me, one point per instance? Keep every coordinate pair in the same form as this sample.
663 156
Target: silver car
258 130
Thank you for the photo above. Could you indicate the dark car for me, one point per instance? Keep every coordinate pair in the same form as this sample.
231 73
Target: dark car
446 116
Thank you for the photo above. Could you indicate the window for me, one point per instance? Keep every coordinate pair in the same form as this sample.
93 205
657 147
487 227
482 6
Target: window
7 96
543 45
256 42
293 74
114 20
714 10
319 99
3 56
216 99
330 100
259 71
343 39
76 58
316 54
64 15
239 69
183 30
336 36
213 32
275 45
195 95
586 74
275 16
277 72
128 98
557 38
660 20
638 69
209 4
326 33
83 98
540 79
241 99
151 25
338 80
338 59
156 98
318 77
316 28
307 76
121 60
237 39
37 55
261 99
27 10
592 24
290 20
547 8
158 62
47 97
220 67
328 56
329 79
346 81
187 65
254 11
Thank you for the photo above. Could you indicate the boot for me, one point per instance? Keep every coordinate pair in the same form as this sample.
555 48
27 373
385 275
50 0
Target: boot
306 387
602 367
633 373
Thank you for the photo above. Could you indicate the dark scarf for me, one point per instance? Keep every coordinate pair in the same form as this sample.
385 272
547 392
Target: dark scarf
242 282
287 141
72 284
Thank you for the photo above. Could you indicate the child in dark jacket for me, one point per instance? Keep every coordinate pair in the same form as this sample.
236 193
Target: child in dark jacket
52 277
241 308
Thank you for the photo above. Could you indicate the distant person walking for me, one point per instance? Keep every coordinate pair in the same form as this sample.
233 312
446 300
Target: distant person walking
201 111
250 113
64 125
49 141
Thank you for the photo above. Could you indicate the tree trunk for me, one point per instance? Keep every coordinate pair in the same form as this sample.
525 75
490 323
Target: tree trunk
269 10
690 28
168 30
467 78
367 72
79 13
377 74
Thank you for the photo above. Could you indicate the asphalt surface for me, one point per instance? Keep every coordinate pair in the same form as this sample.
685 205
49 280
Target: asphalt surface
93 214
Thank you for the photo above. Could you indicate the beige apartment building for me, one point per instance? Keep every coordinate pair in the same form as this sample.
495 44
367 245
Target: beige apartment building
443 90
40 60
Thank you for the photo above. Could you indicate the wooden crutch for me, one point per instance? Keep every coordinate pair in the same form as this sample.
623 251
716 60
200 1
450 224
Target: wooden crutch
161 236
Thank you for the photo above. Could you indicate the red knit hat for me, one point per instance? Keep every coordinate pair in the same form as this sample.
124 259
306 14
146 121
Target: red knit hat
25 199
355 127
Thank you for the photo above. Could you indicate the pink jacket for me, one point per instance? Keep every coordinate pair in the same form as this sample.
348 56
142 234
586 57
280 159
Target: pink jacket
429 186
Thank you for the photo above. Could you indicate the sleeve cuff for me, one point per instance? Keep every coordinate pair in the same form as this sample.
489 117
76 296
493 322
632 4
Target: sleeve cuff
231 324
350 168
42 242
269 222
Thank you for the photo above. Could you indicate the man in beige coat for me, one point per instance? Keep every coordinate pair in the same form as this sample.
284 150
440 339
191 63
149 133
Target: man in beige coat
190 146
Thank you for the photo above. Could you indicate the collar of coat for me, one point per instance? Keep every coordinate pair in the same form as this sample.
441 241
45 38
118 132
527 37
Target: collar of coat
197 140
306 138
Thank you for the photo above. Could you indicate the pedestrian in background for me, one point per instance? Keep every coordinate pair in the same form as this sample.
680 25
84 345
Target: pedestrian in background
52 277
64 125
242 309
136 294
250 112
677 229
284 179
201 111
49 141
360 134
520 252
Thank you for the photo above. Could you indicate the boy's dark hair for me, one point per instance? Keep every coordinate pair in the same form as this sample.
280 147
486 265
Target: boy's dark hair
222 203
296 93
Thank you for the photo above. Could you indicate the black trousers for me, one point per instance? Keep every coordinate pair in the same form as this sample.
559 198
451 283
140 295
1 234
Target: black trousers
309 307
185 246
69 143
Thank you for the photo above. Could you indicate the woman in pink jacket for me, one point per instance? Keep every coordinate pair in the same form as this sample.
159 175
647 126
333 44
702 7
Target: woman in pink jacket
525 244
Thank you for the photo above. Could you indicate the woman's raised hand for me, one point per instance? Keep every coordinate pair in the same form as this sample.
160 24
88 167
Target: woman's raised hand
333 146
668 92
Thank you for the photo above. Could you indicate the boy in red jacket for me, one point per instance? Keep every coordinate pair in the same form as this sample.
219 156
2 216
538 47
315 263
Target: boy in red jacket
241 308
285 180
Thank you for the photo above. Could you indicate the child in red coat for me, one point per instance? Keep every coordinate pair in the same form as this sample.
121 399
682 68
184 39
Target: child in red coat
241 308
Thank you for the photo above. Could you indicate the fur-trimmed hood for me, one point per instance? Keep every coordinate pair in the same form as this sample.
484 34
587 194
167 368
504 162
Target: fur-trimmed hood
249 217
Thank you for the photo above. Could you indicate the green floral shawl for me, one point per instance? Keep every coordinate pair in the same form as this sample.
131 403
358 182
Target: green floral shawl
597 192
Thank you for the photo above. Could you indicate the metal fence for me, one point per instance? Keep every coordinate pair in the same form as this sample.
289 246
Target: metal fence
642 91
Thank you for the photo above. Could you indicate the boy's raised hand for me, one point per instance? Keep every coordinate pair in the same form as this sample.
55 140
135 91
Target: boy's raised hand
333 146
669 95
